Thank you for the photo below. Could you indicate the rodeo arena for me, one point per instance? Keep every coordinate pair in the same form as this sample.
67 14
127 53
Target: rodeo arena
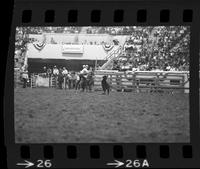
102 84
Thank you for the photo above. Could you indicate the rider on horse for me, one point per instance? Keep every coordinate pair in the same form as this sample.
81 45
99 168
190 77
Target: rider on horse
90 79
85 71
83 76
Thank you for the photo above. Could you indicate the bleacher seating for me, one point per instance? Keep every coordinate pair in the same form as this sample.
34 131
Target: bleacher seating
147 48
158 48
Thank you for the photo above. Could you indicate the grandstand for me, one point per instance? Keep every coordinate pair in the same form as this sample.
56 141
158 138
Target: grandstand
144 48
155 48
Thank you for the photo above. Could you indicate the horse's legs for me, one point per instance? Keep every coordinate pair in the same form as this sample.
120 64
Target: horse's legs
78 85
104 89
108 90
73 84
65 79
69 84
82 85
91 85
86 85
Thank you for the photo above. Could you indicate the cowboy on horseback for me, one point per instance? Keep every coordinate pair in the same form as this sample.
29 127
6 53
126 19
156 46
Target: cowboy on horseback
83 75
85 71
90 79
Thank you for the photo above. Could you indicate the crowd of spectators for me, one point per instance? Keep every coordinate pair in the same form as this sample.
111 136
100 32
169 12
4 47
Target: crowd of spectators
41 30
117 30
147 48
161 48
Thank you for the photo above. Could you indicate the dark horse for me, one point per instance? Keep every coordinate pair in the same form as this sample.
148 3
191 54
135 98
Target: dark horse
83 82
86 82
90 81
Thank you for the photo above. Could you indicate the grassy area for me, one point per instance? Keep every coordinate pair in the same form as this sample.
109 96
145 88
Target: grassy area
46 115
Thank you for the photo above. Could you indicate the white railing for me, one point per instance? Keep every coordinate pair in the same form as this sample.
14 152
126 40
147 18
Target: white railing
110 57
146 80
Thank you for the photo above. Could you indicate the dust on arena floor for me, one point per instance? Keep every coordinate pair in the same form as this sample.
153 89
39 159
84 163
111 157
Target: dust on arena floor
48 115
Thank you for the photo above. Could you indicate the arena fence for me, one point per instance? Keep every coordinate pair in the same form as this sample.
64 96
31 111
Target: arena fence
145 81
16 76
137 81
41 80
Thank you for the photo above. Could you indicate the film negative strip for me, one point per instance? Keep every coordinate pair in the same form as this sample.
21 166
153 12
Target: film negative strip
103 84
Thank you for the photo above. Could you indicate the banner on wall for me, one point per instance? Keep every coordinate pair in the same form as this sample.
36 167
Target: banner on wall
72 49
107 47
39 45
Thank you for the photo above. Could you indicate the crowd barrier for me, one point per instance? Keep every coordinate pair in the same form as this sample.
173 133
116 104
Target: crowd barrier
41 80
128 81
145 80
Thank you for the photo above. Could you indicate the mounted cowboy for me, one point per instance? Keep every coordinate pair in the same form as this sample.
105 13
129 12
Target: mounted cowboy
65 75
85 71
90 79
83 76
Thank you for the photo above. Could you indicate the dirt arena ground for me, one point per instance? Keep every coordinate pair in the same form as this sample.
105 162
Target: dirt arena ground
44 115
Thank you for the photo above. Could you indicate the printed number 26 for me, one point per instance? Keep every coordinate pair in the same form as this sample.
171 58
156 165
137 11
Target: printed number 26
44 164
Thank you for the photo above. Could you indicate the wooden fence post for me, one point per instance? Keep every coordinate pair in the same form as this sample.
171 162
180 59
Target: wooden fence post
156 82
183 83
117 81
31 81
120 82
111 81
134 81
51 82
137 83
65 82
56 81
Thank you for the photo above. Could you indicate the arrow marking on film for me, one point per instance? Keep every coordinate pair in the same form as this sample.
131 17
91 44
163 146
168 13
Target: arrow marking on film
117 163
26 164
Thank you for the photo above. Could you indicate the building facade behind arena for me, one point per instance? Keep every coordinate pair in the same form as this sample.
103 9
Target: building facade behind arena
70 56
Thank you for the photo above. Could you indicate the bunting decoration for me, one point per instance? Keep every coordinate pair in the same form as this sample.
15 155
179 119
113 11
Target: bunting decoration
39 45
107 47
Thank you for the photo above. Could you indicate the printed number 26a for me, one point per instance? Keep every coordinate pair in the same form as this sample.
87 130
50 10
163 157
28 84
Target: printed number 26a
44 163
